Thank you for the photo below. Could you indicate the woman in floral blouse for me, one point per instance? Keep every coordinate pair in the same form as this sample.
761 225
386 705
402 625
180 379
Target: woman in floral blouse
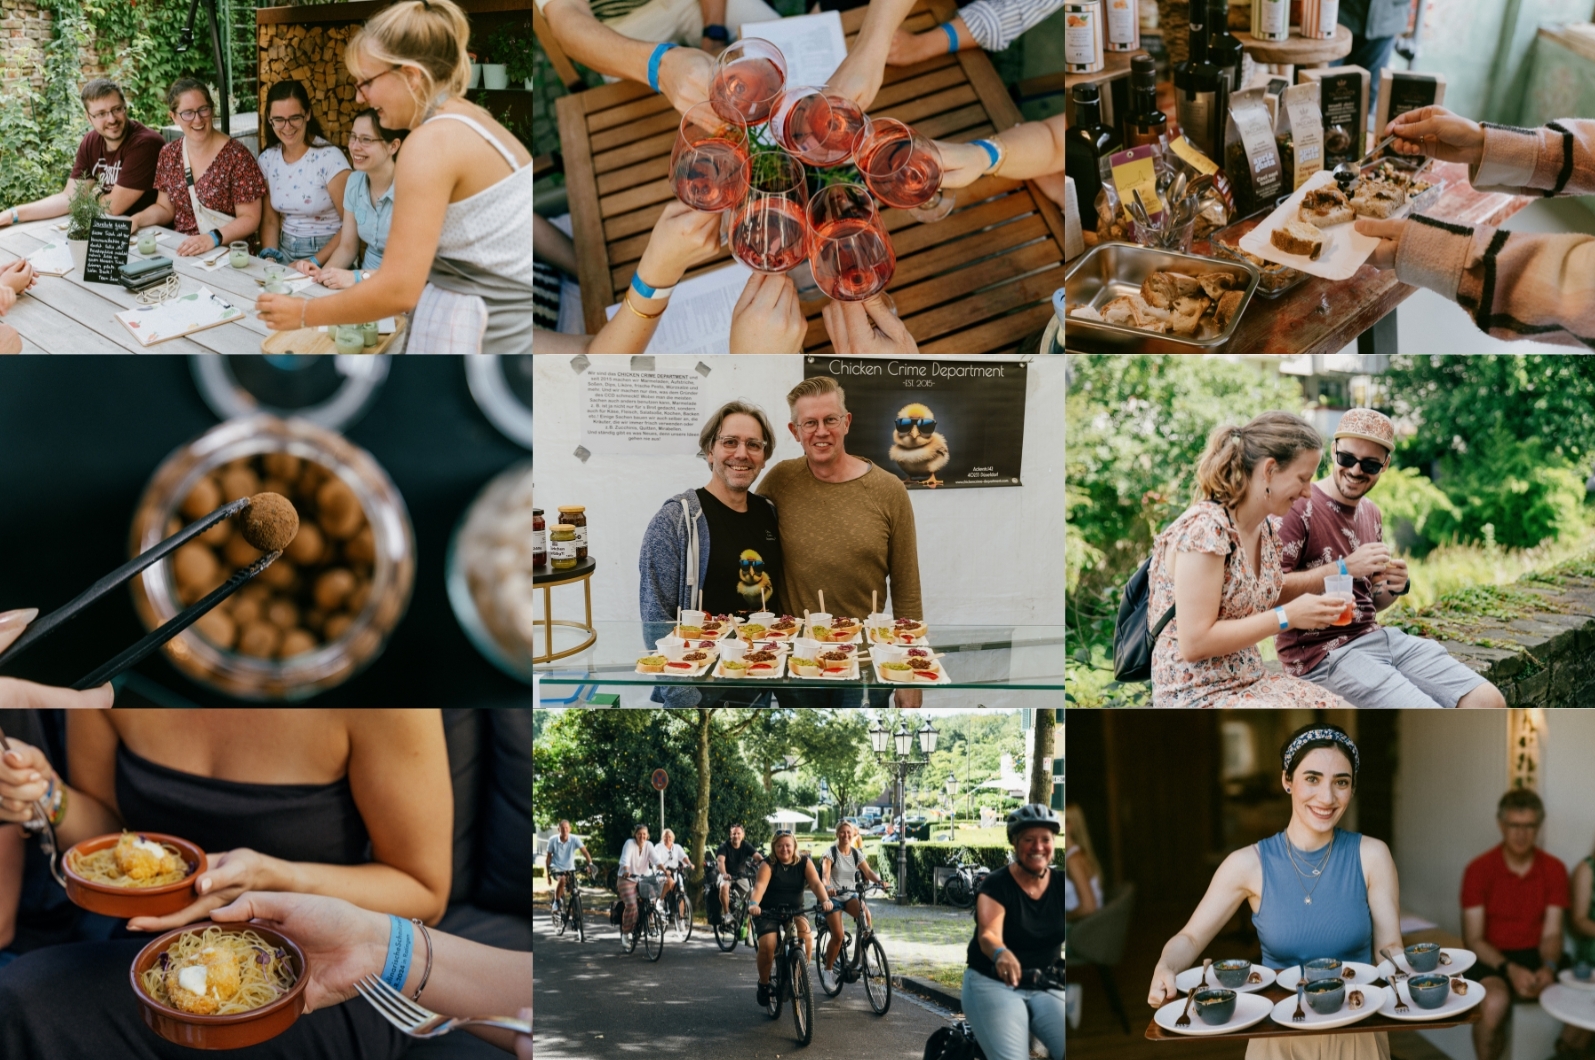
1219 564
209 187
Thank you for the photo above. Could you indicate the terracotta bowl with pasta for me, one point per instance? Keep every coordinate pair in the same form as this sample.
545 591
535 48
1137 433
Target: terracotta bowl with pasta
133 874
220 986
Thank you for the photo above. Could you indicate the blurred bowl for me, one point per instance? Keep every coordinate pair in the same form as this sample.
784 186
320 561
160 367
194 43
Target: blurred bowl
488 572
125 903
237 1031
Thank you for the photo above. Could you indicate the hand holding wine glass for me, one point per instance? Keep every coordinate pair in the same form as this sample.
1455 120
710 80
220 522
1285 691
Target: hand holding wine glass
684 76
682 237
866 327
768 317
962 164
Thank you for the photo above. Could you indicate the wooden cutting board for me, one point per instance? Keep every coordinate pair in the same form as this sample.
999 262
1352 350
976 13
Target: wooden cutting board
314 340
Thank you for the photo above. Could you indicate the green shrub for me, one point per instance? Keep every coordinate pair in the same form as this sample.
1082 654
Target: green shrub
1417 513
1514 493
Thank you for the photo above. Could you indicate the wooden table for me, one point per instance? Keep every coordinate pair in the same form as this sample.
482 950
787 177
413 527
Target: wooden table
67 314
977 282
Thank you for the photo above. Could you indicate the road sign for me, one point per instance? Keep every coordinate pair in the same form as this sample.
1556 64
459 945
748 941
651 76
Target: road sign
661 780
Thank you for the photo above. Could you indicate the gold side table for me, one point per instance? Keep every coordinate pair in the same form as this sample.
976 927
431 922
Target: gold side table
545 578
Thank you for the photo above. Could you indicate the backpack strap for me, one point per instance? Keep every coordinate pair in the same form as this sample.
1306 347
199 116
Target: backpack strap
1168 616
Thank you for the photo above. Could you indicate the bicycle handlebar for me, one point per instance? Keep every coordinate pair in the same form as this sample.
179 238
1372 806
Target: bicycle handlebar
1043 978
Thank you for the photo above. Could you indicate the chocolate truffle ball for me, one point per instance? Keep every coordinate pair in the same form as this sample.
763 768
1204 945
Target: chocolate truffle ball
269 523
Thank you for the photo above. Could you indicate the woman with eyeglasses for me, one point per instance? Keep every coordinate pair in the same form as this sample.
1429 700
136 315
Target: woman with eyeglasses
1217 570
459 259
208 186
782 879
367 206
306 175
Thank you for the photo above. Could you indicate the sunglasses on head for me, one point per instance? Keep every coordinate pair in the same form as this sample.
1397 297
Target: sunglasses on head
755 565
1369 465
925 426
785 831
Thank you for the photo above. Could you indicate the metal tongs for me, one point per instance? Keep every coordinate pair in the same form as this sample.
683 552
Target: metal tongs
1347 174
41 824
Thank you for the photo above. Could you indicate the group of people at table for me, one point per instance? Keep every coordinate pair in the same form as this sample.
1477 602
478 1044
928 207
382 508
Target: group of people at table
462 184
639 43
1516 900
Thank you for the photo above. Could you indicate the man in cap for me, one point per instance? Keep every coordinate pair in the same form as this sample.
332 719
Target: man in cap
1367 664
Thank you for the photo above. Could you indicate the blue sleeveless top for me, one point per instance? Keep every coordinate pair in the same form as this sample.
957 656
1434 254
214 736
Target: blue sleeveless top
1336 923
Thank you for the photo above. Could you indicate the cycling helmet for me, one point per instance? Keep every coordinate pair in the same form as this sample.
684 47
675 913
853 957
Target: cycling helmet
1031 816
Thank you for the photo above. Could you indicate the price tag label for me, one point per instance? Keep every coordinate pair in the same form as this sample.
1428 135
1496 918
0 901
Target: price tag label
1135 171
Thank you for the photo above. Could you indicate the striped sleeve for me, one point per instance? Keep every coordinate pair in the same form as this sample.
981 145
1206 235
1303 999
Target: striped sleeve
1558 159
995 24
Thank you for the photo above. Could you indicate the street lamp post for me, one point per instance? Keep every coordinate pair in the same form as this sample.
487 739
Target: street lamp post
952 807
900 766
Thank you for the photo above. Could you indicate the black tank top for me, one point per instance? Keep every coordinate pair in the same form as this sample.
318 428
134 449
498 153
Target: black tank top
295 822
787 883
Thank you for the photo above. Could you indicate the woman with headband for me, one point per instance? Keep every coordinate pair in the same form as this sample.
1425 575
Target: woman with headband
1218 569
1314 891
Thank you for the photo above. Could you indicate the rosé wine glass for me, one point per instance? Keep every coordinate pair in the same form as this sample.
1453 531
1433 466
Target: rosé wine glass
849 250
904 170
821 128
709 163
748 79
769 231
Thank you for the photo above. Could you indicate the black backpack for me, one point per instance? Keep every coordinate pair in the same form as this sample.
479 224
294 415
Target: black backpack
1132 641
954 1043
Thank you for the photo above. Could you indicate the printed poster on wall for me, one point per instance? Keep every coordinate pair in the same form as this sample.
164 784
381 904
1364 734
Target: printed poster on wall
934 423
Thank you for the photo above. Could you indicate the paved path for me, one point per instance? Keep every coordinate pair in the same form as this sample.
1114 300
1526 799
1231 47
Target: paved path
595 1002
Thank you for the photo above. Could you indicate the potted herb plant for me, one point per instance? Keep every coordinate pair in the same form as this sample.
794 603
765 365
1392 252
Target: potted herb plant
494 75
83 209
514 47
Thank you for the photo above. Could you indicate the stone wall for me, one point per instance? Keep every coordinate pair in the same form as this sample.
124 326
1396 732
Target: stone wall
24 32
312 54
1551 658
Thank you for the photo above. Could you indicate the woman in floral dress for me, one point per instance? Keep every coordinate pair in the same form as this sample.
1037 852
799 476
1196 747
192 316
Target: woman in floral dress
1219 564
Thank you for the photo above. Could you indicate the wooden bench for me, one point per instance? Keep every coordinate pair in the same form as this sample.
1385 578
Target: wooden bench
977 282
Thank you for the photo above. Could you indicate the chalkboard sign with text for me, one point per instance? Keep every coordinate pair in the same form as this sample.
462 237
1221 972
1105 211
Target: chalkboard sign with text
108 239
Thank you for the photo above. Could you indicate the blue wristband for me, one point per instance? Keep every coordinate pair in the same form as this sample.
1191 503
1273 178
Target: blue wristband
653 63
644 291
952 37
991 152
401 944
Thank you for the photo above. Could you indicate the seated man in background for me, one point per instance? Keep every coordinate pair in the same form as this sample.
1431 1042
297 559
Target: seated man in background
1513 898
118 154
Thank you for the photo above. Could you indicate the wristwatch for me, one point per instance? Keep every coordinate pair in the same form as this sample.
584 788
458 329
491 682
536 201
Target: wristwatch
716 32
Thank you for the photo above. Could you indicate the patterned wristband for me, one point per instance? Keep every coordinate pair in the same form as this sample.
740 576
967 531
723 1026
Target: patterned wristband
401 944
653 63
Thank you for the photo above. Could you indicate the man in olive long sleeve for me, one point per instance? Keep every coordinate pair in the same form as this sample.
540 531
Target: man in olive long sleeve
847 527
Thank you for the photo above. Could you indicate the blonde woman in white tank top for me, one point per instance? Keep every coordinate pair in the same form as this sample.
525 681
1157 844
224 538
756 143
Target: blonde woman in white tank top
459 252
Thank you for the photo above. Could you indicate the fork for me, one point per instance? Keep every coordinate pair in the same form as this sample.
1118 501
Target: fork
1396 975
420 1022
1301 992
1185 1016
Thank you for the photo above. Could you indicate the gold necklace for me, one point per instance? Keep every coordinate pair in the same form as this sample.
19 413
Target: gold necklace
1317 873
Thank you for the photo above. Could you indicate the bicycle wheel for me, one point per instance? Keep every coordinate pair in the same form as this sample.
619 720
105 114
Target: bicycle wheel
802 999
725 932
956 892
778 989
581 921
683 918
877 974
653 934
830 982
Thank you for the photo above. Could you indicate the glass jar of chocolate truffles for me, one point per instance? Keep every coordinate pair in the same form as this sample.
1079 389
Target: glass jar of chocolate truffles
562 548
325 608
576 518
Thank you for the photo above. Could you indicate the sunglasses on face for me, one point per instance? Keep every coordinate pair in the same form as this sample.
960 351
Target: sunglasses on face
925 426
1369 465
755 565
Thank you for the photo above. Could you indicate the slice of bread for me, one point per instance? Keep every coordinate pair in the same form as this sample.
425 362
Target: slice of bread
1215 283
1229 304
1326 206
1161 289
1298 237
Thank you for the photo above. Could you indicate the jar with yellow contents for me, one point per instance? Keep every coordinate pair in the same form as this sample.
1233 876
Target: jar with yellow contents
562 547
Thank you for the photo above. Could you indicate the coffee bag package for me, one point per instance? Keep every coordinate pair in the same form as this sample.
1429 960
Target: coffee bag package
1343 102
1251 159
1300 135
1401 91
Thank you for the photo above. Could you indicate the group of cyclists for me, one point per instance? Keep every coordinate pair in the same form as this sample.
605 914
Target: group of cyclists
1012 983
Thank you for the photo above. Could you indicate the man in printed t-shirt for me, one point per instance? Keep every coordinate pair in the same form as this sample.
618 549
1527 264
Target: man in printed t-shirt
1363 662
117 153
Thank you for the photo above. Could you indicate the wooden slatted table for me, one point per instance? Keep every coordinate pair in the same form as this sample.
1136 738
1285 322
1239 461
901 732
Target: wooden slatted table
978 281
66 314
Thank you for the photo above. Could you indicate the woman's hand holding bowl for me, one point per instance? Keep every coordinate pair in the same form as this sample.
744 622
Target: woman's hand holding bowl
226 876
1314 610
342 942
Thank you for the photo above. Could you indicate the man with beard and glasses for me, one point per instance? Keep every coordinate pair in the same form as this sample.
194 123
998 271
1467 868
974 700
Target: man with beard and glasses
1365 663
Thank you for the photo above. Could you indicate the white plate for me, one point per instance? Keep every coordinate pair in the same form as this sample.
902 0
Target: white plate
725 631
1568 979
1344 250
775 671
1372 998
850 675
1365 975
1455 1004
668 672
856 638
1188 979
1250 1009
911 642
1461 961
1575 1007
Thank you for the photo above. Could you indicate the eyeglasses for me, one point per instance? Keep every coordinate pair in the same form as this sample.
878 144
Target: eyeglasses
365 141
1369 465
926 426
118 111
361 86
784 831
203 112
753 445
810 426
288 122
754 565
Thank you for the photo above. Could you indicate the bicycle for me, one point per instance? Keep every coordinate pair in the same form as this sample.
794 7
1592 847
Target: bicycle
790 976
678 908
650 924
569 912
962 888
959 1039
860 958
734 918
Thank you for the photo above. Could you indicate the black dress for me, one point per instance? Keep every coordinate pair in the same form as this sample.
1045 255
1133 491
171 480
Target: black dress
75 1000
